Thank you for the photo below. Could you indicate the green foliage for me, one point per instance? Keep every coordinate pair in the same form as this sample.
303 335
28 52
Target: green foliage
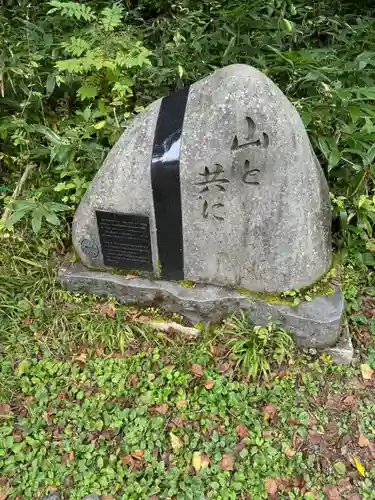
72 9
37 211
67 88
256 348
73 73
84 390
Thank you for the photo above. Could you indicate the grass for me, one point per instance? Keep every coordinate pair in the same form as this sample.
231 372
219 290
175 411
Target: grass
91 401
94 403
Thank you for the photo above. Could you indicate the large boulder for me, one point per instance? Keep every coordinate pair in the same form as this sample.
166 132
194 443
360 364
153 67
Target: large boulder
217 184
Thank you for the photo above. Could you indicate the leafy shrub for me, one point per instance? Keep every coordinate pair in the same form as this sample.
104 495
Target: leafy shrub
257 347
73 73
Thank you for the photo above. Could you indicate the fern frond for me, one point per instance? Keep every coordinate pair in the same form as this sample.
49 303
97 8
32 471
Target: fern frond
72 10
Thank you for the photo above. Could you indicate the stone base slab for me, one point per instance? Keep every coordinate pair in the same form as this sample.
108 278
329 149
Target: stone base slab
343 351
314 324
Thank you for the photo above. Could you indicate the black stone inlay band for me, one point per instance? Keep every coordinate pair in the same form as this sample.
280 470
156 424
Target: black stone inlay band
165 179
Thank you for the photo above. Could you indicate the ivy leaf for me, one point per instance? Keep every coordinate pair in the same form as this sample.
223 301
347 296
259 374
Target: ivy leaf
176 442
340 468
80 395
23 367
227 462
200 461
99 125
87 92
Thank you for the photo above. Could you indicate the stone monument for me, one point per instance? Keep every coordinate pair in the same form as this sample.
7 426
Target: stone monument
216 185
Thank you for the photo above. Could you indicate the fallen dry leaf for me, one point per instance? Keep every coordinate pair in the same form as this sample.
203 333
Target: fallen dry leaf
133 379
367 372
197 370
350 401
289 452
270 486
315 437
67 456
130 276
81 357
268 433
241 445
344 450
200 461
4 491
363 441
242 431
269 412
138 454
209 384
227 462
344 484
223 367
293 421
99 351
359 466
134 463
283 482
212 349
127 459
45 417
181 403
131 314
299 482
176 442
52 489
107 310
332 492
4 409
372 449
27 321
150 377
144 318
178 421
312 421
161 409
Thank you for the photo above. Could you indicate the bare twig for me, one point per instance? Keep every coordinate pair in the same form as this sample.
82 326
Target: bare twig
171 326
16 193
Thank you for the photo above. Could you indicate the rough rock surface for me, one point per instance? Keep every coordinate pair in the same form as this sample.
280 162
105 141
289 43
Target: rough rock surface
254 200
314 324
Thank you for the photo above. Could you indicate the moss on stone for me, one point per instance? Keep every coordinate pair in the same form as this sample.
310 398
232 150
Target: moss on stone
272 298
187 283
322 287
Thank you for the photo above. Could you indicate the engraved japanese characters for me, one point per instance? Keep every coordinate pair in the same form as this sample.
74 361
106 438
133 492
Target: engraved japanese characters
213 178
227 184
